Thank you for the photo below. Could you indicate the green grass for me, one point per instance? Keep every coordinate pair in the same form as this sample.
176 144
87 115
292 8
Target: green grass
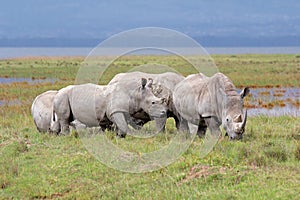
261 70
264 165
253 70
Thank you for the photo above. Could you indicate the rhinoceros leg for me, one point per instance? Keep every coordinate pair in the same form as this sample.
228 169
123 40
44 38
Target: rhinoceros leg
77 124
55 127
122 127
193 128
64 124
213 125
160 124
183 125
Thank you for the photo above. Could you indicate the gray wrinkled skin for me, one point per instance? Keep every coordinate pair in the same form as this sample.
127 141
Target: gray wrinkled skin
42 110
133 99
162 87
80 106
210 102
93 105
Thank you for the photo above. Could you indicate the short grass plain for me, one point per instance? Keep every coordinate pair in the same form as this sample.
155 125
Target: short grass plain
264 165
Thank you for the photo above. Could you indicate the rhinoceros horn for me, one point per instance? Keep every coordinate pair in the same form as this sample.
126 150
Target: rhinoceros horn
244 119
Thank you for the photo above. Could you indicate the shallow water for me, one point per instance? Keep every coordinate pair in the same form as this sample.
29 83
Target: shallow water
281 93
275 112
274 101
10 103
4 80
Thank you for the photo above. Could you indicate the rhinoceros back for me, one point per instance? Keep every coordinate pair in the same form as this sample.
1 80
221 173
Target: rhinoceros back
88 103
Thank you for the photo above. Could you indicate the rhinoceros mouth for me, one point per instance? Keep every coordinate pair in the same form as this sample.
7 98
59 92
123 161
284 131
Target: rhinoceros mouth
236 137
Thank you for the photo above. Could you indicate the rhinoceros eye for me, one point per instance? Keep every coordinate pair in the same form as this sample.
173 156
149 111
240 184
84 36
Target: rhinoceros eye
153 102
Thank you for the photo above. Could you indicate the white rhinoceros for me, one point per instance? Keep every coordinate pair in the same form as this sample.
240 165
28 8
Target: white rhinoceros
42 110
95 105
80 104
209 102
162 87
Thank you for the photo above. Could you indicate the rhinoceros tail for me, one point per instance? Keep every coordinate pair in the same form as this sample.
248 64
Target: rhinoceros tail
71 117
53 116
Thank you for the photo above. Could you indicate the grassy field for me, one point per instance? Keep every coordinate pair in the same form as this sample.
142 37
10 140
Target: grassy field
264 165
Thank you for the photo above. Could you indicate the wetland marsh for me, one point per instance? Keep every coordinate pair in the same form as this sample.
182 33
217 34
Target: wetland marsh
264 165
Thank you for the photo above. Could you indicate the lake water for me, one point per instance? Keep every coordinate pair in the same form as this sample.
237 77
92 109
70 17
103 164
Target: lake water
274 101
32 52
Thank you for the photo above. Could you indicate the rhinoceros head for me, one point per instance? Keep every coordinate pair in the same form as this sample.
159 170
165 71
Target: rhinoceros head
148 102
161 91
235 118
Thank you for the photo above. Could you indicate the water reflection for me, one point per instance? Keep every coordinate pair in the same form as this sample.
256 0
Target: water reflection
276 101
10 103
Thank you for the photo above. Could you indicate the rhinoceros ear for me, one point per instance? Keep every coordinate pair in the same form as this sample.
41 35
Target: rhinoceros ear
150 82
245 92
144 82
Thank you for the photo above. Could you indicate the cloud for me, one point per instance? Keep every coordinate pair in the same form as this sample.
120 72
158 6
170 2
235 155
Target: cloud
91 18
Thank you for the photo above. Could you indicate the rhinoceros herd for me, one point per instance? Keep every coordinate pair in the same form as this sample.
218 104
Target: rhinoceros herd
196 102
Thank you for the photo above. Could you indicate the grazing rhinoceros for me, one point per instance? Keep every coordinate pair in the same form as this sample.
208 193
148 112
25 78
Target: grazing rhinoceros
209 102
94 105
42 110
162 87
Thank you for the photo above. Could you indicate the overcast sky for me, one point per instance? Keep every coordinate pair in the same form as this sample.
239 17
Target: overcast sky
100 19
